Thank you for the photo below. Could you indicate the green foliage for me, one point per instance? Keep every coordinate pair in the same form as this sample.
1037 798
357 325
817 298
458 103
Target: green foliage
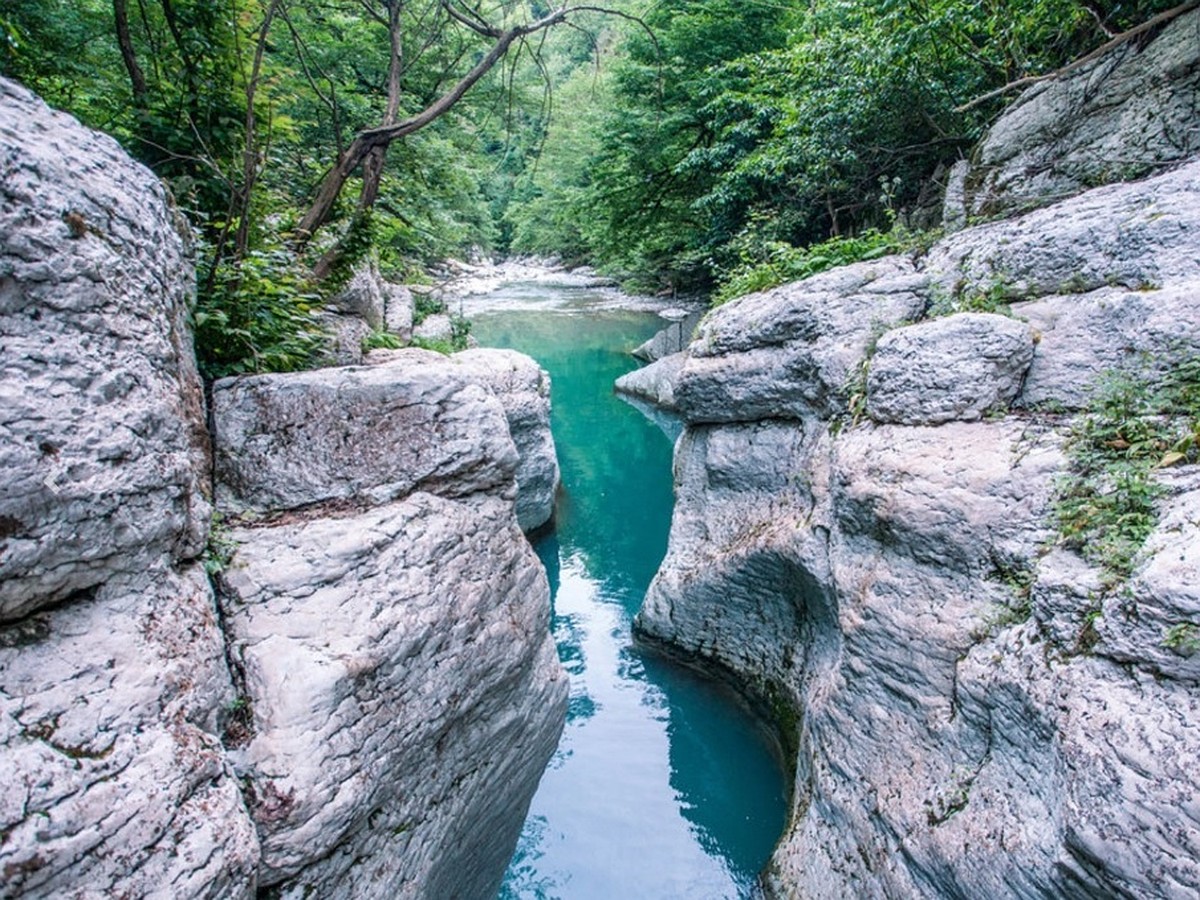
764 264
1106 506
218 552
426 305
259 316
381 340
1183 638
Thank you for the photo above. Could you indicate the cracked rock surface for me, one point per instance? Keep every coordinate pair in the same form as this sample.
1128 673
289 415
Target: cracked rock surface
367 707
864 532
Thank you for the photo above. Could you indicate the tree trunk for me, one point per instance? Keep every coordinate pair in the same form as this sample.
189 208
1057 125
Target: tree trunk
136 79
373 164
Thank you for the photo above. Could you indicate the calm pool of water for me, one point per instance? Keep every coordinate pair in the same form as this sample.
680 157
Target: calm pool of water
662 785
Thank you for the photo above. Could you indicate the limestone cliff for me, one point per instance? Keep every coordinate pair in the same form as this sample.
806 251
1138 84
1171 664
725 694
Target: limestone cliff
365 705
864 533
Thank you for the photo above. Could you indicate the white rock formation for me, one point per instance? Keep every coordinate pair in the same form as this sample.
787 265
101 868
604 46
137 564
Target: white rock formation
113 682
866 539
394 691
393 645
1123 116
102 443
405 692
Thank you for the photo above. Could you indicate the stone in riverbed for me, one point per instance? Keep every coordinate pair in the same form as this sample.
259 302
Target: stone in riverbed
102 439
406 696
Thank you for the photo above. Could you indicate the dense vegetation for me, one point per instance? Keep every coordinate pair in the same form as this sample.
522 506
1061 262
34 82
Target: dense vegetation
679 144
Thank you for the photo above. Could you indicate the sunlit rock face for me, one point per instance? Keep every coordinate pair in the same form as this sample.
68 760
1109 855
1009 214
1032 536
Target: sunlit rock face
113 682
387 619
103 447
865 531
364 707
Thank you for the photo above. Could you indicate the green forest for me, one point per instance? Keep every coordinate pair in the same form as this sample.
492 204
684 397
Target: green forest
694 146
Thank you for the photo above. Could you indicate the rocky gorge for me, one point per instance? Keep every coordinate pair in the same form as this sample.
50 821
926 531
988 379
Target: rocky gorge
869 494
295 646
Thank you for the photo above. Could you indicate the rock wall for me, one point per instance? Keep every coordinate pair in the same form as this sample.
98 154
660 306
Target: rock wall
113 684
365 706
1127 114
864 533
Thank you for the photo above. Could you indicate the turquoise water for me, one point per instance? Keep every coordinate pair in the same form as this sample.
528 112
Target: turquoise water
662 785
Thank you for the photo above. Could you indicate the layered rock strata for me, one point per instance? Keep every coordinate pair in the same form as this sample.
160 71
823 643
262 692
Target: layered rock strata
864 533
365 709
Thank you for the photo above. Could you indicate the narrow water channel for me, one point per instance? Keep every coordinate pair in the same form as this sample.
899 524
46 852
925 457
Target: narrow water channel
662 785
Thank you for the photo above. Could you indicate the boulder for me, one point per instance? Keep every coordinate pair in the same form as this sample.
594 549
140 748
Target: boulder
116 782
655 383
794 350
347 334
523 389
406 696
961 367
103 446
359 435
398 310
436 327
1127 114
672 339
363 296
1080 337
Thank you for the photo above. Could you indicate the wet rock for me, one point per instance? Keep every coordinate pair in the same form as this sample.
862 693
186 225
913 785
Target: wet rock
406 696
103 448
960 367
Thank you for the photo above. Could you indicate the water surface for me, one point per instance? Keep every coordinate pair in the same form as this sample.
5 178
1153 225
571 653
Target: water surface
662 785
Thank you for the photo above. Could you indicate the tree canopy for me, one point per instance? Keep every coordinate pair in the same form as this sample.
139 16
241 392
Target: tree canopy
679 144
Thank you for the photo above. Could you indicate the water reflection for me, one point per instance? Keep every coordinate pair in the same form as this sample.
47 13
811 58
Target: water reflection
661 786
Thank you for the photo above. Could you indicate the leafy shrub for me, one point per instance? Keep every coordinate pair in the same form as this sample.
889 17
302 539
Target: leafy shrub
1105 507
770 263
259 316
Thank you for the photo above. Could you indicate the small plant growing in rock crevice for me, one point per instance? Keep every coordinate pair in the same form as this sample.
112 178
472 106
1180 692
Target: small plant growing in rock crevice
1106 504
1183 639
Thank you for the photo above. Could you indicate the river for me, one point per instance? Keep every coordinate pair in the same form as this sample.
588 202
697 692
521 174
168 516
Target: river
662 785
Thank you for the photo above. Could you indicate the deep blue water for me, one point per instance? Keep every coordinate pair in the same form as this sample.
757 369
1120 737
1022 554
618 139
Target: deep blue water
662 786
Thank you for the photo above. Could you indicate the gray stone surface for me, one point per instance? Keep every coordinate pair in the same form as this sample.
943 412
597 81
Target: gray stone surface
115 780
364 296
102 442
1080 337
1125 115
977 711
398 310
523 389
794 350
406 696
962 367
347 333
654 383
434 328
671 339
362 434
